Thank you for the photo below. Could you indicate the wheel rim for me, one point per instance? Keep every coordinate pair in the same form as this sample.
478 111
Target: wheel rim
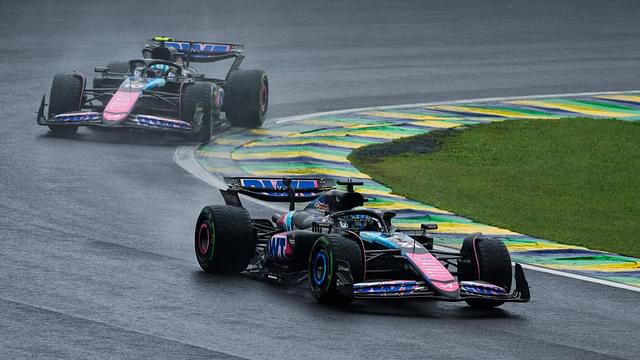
204 239
319 267
264 96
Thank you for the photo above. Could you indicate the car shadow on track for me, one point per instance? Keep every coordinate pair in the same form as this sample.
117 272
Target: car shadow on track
426 309
299 297
122 136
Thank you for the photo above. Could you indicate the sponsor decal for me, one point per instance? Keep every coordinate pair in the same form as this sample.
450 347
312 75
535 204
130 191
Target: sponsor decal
343 268
76 117
155 121
382 288
219 98
196 47
272 184
279 246
481 288
320 205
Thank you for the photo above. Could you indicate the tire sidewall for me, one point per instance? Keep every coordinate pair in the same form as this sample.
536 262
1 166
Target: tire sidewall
65 96
205 224
246 98
192 94
322 251
488 260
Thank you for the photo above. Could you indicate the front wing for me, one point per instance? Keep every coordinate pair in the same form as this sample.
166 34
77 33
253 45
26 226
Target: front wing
405 289
93 118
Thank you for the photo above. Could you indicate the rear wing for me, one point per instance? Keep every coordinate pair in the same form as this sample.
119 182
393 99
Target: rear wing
166 48
275 189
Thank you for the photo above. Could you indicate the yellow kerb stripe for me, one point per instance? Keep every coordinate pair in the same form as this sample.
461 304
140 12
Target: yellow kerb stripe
462 228
630 98
406 206
536 246
397 115
378 134
270 132
584 110
286 155
496 112
215 154
224 141
312 171
302 141
613 267
435 124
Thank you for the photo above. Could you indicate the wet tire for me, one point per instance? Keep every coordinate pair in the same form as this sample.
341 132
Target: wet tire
194 95
246 98
486 260
327 253
224 239
65 96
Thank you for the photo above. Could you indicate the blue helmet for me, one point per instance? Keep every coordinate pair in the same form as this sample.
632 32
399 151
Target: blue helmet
158 70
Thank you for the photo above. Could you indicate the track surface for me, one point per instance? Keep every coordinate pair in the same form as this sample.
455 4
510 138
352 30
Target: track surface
96 255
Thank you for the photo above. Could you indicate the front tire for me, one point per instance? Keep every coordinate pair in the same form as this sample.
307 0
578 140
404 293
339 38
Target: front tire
224 240
329 252
197 95
65 96
486 260
246 98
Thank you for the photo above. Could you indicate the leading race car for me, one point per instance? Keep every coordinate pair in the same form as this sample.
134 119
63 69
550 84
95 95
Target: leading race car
163 91
347 251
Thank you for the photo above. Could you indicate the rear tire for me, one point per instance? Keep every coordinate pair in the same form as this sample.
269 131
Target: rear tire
198 93
65 96
327 252
486 260
224 239
246 98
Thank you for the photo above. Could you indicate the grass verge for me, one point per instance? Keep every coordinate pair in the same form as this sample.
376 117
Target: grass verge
575 181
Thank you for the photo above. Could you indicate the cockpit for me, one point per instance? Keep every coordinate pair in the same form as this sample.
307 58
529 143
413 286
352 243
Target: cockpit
359 222
155 69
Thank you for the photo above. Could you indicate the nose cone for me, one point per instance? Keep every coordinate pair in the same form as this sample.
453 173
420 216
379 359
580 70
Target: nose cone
120 106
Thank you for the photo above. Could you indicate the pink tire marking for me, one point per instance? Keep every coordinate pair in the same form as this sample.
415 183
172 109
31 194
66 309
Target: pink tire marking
203 249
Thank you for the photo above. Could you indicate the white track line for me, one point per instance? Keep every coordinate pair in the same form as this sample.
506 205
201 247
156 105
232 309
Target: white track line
581 277
184 156
493 99
563 274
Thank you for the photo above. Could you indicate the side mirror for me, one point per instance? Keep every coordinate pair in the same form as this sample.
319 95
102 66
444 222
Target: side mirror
101 69
429 226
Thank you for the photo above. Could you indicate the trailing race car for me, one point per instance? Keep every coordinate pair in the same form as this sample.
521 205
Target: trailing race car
161 92
347 251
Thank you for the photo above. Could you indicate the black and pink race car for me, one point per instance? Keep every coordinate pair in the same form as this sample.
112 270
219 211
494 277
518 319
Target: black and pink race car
346 251
162 91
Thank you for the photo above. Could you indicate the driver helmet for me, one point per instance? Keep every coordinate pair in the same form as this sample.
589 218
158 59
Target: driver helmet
158 70
360 222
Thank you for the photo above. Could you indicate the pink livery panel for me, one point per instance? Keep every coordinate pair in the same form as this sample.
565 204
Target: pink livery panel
435 273
120 105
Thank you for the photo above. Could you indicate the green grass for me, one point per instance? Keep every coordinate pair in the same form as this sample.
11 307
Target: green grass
574 181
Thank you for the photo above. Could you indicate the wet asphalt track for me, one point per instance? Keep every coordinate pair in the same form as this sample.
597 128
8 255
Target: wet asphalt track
96 255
